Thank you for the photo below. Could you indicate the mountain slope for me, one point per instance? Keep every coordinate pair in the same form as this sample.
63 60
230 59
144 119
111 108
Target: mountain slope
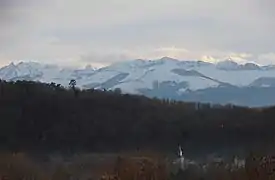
164 78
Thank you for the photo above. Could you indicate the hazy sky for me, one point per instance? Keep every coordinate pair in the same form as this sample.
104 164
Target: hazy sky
99 32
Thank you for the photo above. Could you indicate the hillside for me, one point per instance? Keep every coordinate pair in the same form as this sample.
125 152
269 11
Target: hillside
49 117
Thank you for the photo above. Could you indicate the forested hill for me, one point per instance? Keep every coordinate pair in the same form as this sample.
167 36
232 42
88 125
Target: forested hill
50 117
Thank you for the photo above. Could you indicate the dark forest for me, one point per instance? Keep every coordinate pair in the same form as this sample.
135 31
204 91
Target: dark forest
39 116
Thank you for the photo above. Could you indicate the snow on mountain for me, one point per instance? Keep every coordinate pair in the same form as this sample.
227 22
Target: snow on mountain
230 65
223 82
263 82
39 72
227 65
138 75
11 71
250 66
141 74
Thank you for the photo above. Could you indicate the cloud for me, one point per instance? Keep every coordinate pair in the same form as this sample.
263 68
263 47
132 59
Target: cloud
116 30
109 56
266 59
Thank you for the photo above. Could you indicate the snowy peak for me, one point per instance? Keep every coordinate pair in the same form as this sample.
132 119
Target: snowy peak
230 65
20 70
40 72
168 60
8 71
227 65
250 66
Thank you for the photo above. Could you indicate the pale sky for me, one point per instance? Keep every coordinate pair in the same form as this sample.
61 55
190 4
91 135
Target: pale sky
100 32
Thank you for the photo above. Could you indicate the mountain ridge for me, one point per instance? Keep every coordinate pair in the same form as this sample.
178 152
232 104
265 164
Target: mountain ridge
163 78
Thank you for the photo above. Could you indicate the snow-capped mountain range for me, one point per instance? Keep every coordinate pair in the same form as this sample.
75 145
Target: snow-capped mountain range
223 82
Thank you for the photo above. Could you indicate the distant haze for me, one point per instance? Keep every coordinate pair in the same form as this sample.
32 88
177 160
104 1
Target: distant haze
100 32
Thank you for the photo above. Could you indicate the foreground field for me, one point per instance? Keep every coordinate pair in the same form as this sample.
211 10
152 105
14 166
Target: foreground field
19 166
